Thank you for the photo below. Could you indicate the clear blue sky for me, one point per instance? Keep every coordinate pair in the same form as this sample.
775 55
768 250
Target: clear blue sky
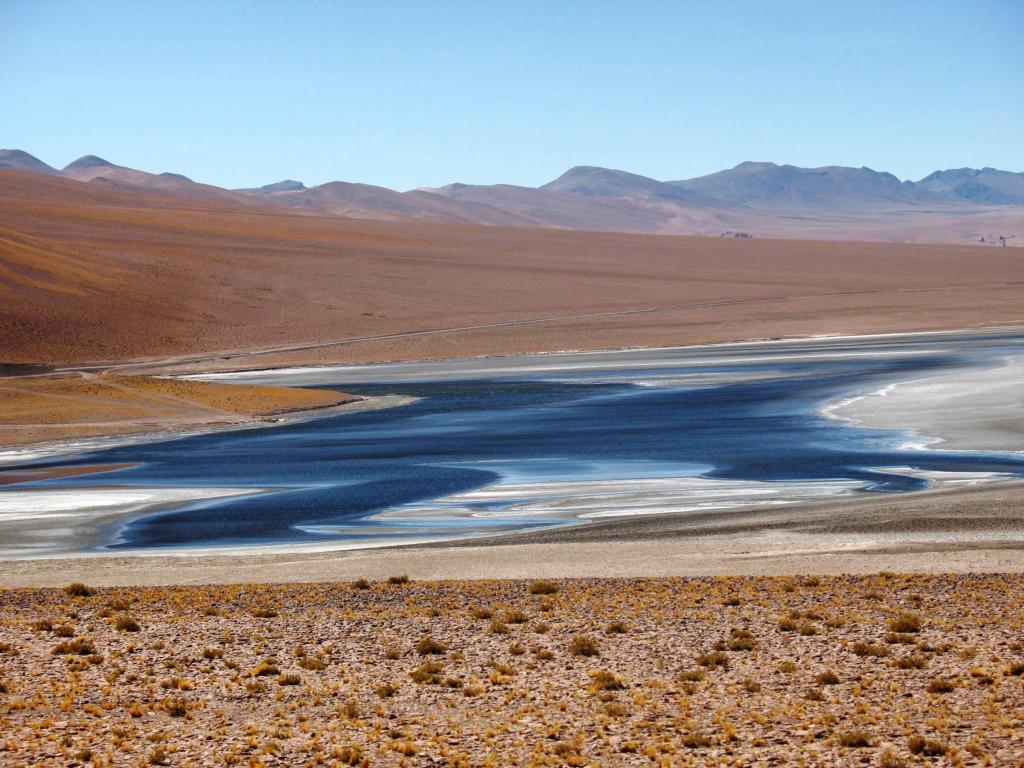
408 94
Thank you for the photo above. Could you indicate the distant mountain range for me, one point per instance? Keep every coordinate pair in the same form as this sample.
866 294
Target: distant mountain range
758 198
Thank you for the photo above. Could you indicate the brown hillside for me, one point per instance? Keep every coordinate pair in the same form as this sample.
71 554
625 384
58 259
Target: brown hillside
98 274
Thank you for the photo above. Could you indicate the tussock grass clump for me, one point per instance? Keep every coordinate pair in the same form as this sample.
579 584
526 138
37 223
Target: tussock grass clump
713 659
213 653
428 646
351 755
386 690
64 630
127 624
360 584
481 612
543 588
78 589
828 677
889 759
696 741
515 617
941 685
398 580
604 680
905 623
741 640
42 625
897 638
498 627
870 649
616 628
584 645
80 646
1015 668
176 684
786 624
176 707
289 679
918 745
312 663
264 613
691 675
427 673
853 739
266 668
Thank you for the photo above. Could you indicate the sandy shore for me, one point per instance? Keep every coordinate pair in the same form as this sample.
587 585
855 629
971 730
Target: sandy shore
970 529
976 409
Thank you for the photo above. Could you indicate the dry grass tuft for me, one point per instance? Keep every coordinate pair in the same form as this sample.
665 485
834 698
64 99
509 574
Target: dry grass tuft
543 588
78 589
584 645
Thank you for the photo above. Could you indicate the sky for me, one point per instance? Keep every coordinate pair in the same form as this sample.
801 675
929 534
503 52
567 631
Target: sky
411 94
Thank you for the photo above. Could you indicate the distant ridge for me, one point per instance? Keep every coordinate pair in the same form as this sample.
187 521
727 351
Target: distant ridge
760 199
17 160
87 161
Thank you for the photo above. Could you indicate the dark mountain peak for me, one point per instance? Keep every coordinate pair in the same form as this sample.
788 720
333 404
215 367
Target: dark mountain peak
978 185
595 181
287 185
88 161
175 177
767 185
19 160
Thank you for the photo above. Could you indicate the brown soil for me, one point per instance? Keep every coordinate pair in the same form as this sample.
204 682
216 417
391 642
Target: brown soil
845 671
57 407
101 275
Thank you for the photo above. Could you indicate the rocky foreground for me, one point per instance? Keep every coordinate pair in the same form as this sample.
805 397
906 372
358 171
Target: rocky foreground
887 670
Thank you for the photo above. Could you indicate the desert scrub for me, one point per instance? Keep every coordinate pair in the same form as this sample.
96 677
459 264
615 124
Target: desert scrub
360 584
428 646
498 627
616 628
78 589
912 661
941 685
604 680
427 673
828 677
515 617
869 649
213 653
398 580
266 668
904 623
543 588
584 645
918 745
853 739
741 640
81 646
264 613
126 624
289 679
713 659
481 612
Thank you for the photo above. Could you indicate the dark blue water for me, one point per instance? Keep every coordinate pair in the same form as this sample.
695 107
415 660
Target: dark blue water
341 469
